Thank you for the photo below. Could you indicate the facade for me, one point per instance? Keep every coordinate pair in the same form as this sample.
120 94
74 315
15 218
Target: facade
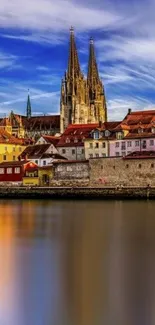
46 174
82 100
41 154
98 143
71 144
73 170
135 133
31 177
10 147
13 172
134 170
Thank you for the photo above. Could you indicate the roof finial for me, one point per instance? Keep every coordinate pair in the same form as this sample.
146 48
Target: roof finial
91 41
72 30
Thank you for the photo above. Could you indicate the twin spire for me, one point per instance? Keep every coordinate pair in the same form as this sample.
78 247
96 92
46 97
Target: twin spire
74 65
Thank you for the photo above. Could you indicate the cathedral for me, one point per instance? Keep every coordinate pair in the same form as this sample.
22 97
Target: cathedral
82 99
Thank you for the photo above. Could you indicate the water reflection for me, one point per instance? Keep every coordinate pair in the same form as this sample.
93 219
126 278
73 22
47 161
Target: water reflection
77 263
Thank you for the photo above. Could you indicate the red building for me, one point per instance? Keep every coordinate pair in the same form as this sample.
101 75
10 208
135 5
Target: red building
14 171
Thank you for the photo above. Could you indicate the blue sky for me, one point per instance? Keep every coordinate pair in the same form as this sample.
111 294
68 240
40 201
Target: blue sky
34 36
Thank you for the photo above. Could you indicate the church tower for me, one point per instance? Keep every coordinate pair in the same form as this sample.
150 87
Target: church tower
82 100
28 108
97 101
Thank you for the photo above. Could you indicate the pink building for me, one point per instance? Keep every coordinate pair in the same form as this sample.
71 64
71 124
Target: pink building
135 133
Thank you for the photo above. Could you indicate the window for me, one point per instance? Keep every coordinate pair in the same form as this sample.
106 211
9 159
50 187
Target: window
127 166
14 149
151 142
4 157
17 170
69 169
91 155
44 162
117 154
123 153
139 165
123 147
119 136
63 151
101 167
97 155
5 148
137 143
117 144
82 151
96 135
75 140
1 171
103 145
60 168
90 145
129 144
144 144
14 158
96 145
103 154
113 167
152 165
67 140
73 151
9 170
107 133
36 161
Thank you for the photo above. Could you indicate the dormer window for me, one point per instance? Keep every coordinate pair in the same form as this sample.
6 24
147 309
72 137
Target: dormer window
67 140
153 130
75 140
96 135
140 130
107 133
119 135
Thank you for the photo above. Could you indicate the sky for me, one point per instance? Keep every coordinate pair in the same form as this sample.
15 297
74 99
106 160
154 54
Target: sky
34 41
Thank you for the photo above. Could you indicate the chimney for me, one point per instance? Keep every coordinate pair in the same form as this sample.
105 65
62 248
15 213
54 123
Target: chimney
100 124
129 111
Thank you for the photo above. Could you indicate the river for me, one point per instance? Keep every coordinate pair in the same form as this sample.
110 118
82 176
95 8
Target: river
77 262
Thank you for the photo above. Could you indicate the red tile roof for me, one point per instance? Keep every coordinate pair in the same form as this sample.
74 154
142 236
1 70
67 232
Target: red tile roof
75 134
51 139
140 155
35 151
7 138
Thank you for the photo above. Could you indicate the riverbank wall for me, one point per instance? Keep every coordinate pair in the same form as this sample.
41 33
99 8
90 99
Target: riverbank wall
88 193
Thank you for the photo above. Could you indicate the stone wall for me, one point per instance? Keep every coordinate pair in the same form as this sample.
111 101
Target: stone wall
71 170
126 172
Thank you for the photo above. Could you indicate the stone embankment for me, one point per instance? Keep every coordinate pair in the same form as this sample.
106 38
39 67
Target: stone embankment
76 193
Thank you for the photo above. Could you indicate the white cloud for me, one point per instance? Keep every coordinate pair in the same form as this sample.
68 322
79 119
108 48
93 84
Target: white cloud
56 15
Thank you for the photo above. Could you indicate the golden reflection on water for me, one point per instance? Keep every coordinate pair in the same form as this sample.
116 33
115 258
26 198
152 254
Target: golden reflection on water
78 263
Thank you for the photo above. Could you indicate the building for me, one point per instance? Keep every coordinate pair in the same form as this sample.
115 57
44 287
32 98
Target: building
40 154
135 133
10 146
46 139
31 175
13 172
30 126
82 100
136 169
71 144
98 142
71 170
46 174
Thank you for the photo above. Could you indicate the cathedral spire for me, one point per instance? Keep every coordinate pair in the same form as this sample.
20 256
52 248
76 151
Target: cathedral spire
73 62
93 75
28 109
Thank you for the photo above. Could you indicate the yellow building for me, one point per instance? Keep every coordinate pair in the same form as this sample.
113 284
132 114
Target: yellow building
95 148
10 147
46 173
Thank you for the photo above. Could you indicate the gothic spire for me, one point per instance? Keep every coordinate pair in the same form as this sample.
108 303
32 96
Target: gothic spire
73 62
28 109
93 75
